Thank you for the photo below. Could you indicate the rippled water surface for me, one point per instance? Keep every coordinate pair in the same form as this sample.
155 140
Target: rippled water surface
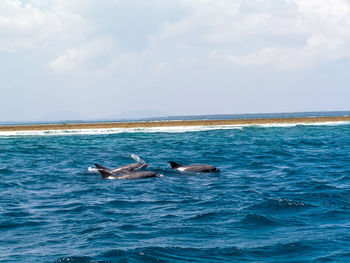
283 195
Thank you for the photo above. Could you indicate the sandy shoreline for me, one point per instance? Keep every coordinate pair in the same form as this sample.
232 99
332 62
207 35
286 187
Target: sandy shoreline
149 124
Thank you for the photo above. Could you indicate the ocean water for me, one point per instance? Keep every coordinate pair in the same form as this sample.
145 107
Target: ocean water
283 195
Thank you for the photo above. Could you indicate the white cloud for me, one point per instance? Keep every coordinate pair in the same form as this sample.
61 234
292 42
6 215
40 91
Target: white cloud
318 49
282 34
29 25
79 59
290 34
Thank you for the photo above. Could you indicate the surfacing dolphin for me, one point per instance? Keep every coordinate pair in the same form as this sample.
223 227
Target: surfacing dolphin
128 175
199 168
123 169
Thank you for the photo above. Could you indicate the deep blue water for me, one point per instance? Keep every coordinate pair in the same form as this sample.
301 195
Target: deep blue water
283 195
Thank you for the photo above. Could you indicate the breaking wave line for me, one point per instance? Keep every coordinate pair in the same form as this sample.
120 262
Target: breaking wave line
169 129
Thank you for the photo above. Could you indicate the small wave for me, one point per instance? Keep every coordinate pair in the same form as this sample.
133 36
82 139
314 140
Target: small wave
76 260
280 204
334 257
258 220
174 254
295 249
71 208
17 224
6 171
205 217
322 186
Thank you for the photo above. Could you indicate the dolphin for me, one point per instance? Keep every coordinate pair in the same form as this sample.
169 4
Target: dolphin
199 168
128 175
123 169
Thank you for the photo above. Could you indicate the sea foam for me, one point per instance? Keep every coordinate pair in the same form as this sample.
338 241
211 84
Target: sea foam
169 129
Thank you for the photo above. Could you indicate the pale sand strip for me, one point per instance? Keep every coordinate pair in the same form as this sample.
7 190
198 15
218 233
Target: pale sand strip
147 124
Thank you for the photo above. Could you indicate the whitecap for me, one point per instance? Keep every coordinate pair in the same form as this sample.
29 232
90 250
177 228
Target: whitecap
174 129
168 129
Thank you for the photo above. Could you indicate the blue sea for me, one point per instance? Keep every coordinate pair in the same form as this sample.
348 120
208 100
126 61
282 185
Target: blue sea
283 195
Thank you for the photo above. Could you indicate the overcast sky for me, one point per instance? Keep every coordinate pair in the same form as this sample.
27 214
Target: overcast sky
100 58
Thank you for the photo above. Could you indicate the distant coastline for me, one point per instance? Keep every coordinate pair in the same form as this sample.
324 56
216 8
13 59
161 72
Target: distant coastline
170 123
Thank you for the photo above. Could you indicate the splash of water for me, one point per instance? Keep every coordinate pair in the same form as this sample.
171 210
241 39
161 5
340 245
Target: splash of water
137 158
92 169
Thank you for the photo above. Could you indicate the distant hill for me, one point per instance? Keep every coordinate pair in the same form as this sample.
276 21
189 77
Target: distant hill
62 116
139 114
73 116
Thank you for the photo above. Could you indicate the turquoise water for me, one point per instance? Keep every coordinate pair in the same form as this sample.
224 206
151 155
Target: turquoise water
283 195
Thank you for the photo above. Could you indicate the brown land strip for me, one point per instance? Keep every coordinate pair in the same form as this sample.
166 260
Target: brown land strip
147 124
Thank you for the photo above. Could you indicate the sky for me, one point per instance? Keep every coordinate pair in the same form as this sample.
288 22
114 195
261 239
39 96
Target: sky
89 59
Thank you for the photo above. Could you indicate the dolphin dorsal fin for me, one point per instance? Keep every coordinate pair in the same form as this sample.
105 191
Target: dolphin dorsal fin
174 165
105 173
100 167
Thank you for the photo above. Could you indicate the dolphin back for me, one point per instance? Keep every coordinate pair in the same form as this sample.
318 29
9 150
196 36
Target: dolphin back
138 175
202 168
129 168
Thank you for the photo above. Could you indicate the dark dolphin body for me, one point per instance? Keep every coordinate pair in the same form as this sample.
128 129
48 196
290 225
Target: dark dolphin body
199 168
128 175
123 169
